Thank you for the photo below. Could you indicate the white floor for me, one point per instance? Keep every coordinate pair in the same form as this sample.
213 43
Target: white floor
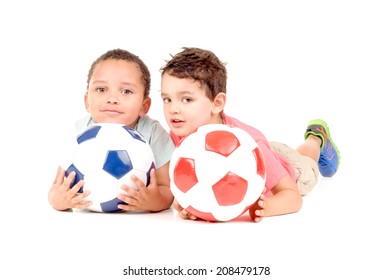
303 59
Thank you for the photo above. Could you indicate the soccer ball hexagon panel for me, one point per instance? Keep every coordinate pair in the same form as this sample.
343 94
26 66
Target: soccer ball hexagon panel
217 172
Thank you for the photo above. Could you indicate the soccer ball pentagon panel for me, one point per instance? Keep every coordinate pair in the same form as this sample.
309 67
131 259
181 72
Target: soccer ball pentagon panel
105 156
217 172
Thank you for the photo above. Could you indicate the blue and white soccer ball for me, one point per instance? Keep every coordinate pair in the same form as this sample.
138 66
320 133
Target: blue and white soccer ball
105 156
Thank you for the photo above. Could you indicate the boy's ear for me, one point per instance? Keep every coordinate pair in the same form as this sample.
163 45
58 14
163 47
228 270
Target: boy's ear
219 102
86 105
145 107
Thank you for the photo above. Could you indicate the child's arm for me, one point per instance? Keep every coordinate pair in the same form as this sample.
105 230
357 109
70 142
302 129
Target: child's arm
286 199
156 197
163 182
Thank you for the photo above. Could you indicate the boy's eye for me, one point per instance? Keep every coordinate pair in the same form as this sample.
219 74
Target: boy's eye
127 91
186 100
101 89
166 100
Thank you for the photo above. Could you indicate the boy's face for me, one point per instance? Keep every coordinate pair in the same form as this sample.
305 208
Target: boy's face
116 93
186 106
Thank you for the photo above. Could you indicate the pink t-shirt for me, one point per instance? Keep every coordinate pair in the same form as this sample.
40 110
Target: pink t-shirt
277 166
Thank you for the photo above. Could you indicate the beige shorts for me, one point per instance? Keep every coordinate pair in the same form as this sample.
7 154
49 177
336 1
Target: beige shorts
306 169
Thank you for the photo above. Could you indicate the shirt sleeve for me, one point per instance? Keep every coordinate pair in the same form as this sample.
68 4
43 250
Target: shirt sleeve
158 138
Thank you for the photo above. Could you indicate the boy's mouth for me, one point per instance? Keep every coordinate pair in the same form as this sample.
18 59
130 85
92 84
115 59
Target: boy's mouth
177 123
110 111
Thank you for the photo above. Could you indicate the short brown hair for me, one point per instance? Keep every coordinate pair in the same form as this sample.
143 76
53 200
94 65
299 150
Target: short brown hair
200 65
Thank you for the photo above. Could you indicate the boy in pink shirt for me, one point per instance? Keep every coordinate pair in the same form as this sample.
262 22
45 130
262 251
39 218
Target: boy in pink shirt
193 90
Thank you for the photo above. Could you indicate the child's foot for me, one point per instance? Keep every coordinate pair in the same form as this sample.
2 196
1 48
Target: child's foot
330 155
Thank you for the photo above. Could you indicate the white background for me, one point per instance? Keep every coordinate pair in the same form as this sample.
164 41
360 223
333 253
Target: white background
287 61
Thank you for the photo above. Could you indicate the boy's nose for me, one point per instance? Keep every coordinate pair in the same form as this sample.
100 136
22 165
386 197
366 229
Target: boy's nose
112 99
174 108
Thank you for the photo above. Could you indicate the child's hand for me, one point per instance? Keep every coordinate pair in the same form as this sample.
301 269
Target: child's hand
144 198
62 197
182 212
256 211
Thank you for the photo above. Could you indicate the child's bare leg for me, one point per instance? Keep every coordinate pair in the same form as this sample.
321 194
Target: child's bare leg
311 147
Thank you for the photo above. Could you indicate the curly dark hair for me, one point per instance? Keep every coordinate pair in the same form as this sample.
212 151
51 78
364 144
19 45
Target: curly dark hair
120 54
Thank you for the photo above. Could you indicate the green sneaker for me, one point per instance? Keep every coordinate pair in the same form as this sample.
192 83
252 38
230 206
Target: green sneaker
330 155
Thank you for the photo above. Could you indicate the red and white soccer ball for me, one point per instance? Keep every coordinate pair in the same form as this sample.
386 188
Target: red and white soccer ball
217 172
